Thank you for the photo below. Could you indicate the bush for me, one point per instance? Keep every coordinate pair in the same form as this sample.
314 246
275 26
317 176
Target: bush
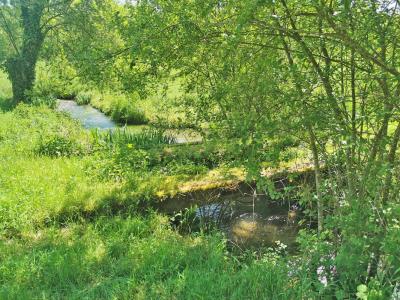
49 100
57 81
56 146
5 91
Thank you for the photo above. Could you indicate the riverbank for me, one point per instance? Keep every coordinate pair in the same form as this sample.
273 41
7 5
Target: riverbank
52 172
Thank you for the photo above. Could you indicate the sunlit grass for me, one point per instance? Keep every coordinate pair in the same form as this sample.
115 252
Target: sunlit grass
68 233
132 258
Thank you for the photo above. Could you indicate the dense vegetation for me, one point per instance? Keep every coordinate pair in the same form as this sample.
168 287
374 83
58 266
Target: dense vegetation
265 83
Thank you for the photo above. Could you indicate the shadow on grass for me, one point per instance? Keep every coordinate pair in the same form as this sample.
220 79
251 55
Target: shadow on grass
131 258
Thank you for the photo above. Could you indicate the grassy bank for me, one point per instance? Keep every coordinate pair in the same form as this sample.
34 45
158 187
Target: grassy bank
76 220
133 110
135 258
53 173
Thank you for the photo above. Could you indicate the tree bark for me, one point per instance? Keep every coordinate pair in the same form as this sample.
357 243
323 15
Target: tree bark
21 66
22 75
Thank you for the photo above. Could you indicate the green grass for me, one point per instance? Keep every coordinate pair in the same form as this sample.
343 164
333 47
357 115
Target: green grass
70 232
121 108
134 258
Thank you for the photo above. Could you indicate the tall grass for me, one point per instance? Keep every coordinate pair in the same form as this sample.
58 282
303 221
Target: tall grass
135 258
121 108
146 138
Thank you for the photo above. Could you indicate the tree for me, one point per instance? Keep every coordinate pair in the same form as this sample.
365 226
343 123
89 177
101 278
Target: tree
326 72
26 23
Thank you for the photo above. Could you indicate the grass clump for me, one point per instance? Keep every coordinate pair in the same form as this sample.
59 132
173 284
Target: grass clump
146 138
121 108
83 98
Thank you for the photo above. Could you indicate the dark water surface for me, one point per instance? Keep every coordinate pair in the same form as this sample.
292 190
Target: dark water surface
248 220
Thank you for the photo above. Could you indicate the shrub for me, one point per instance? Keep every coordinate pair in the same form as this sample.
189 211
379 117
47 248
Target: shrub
5 91
56 146
58 80
49 100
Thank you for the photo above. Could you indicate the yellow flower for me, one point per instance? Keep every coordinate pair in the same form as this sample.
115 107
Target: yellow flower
130 146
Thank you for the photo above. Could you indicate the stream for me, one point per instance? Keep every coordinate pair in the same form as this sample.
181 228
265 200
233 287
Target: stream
92 118
247 220
86 114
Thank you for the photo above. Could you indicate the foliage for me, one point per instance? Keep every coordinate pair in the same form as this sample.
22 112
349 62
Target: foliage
324 74
64 233
56 79
26 24
267 79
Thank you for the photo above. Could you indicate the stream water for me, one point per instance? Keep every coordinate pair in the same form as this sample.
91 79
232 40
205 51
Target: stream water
92 118
86 114
248 220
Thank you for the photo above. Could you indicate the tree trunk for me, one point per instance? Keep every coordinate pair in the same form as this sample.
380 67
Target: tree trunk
21 67
22 75
317 173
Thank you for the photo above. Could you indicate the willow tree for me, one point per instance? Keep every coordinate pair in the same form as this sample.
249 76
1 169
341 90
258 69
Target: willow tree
26 24
326 72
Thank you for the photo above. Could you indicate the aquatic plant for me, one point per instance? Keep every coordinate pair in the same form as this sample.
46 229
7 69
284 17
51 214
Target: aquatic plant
147 138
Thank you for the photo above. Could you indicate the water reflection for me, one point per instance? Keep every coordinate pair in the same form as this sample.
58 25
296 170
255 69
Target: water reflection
246 220
252 221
